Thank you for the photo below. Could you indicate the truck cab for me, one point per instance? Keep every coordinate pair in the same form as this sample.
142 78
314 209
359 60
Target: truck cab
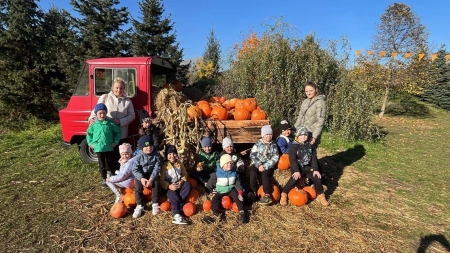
139 73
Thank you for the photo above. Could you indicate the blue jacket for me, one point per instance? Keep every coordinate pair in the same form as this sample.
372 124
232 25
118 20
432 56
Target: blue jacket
284 143
225 181
125 177
264 154
147 165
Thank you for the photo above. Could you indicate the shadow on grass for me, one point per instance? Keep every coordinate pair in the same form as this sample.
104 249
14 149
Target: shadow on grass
408 107
334 165
426 241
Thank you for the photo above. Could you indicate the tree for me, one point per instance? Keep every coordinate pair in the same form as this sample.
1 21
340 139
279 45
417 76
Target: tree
439 92
211 56
153 36
399 31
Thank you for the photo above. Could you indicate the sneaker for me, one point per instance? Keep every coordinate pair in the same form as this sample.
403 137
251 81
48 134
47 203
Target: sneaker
208 219
179 220
104 182
155 208
213 192
138 211
266 200
242 218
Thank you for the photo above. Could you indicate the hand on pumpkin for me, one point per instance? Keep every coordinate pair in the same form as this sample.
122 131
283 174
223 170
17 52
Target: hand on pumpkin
296 175
317 174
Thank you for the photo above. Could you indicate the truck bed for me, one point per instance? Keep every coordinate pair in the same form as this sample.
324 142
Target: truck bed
240 131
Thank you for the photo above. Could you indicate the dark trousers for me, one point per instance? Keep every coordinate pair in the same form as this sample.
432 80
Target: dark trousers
105 161
178 197
201 177
217 200
116 156
265 180
292 182
139 188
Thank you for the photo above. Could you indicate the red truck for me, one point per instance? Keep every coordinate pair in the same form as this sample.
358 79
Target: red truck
140 75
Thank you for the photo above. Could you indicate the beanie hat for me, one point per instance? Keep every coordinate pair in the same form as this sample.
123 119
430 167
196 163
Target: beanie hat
145 141
143 115
284 125
302 130
267 129
125 148
100 106
225 159
227 142
206 142
171 149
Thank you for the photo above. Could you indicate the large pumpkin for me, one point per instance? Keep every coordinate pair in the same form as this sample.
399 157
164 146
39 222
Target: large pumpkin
118 210
227 203
232 102
165 206
310 192
250 104
276 194
193 182
205 109
193 195
194 112
259 114
241 114
283 163
239 104
129 200
189 209
219 113
297 197
207 205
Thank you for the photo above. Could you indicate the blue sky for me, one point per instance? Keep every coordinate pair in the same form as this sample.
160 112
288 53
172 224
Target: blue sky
232 20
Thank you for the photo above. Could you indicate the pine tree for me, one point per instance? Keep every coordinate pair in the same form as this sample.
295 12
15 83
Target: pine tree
439 92
212 53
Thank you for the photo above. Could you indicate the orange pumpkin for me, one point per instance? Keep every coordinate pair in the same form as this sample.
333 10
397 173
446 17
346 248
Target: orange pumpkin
129 200
207 205
276 194
165 206
283 163
168 85
297 197
206 109
118 210
222 100
194 112
235 207
230 115
214 100
239 104
250 104
193 182
241 114
147 191
232 102
227 203
162 198
259 114
177 86
202 102
189 209
219 113
310 192
193 195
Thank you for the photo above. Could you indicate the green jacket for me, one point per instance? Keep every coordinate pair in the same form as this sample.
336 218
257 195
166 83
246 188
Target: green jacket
210 160
101 134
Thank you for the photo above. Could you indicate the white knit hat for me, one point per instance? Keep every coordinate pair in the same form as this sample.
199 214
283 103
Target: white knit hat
267 129
227 142
125 148
225 159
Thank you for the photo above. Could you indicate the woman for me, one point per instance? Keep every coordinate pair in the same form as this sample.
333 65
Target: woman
120 110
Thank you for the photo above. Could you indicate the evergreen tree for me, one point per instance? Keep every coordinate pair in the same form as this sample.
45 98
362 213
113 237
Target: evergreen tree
439 92
212 53
153 36
100 28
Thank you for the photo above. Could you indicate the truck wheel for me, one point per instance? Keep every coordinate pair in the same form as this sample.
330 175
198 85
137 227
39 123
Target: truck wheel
87 154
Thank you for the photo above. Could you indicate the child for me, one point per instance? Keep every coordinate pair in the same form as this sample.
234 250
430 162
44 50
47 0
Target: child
125 178
207 164
303 159
228 148
173 179
284 141
264 156
147 128
103 135
146 168
227 183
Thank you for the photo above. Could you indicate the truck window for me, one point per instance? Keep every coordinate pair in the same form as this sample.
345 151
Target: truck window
82 88
103 78
161 75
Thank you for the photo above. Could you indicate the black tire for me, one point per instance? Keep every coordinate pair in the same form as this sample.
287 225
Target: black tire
87 154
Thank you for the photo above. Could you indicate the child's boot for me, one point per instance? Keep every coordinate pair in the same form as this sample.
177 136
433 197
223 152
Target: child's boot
323 200
242 218
138 211
283 200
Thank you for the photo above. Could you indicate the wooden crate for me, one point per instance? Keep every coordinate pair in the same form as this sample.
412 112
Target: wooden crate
240 131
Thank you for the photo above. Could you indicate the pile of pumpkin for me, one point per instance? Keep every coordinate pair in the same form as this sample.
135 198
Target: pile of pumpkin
227 109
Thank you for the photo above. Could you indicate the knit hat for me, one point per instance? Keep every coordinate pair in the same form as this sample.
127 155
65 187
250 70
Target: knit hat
171 149
143 116
227 142
145 141
125 148
284 125
225 159
267 129
206 142
100 106
302 130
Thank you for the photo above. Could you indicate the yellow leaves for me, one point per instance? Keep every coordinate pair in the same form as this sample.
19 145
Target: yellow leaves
205 69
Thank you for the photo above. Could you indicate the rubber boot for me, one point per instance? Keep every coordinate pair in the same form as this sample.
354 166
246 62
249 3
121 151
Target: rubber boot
283 200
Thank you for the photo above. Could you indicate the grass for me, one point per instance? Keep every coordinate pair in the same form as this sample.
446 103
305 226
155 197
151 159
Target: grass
388 196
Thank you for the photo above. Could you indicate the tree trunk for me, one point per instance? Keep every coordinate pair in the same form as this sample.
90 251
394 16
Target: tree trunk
385 98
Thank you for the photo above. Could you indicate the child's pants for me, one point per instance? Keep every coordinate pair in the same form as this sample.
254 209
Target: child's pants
317 183
178 197
201 177
106 162
265 178
139 188
217 200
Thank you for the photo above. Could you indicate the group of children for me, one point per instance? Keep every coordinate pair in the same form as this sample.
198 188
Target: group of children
220 174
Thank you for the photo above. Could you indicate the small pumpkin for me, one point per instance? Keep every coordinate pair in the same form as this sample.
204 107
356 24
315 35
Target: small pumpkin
227 203
297 197
189 209
168 85
193 195
194 112
207 205
283 163
129 200
118 210
222 100
259 114
205 109
219 113
239 104
232 102
310 192
235 207
193 182
165 206
241 114
250 104
214 100
276 194
177 86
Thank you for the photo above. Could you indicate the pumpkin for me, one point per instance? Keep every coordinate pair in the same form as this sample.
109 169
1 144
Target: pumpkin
235 207
283 163
259 114
189 209
214 100
227 203
118 210
222 100
129 200
226 105
310 192
177 86
207 205
194 112
297 197
239 104
250 104
230 115
202 102
168 85
193 195
193 182
147 191
165 206
205 109
241 114
276 194
232 102
219 113
162 198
